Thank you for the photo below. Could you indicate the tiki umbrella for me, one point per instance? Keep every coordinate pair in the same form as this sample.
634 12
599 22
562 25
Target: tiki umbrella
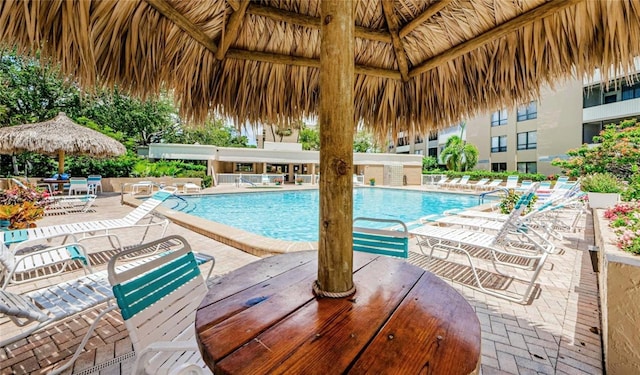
58 136
387 65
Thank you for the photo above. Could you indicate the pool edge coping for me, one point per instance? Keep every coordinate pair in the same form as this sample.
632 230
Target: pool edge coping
240 239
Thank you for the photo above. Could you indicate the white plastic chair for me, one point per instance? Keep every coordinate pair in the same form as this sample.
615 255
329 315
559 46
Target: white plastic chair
78 185
95 182
158 300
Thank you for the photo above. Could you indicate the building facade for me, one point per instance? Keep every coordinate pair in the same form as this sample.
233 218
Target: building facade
529 137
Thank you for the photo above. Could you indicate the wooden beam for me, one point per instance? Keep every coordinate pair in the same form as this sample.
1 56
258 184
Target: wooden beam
183 23
545 10
195 32
305 61
398 46
424 16
234 4
231 31
312 22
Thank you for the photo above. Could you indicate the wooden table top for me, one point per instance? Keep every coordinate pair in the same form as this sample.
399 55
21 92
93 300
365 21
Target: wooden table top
263 318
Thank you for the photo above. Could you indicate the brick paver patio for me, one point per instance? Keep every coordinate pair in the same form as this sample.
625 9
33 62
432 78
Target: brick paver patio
557 333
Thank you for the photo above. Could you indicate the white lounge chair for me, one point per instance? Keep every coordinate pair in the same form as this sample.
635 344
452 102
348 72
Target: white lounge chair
43 307
461 183
512 182
43 263
493 185
499 246
22 237
67 204
190 187
480 184
158 300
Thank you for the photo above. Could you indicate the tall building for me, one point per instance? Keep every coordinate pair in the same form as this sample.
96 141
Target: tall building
527 138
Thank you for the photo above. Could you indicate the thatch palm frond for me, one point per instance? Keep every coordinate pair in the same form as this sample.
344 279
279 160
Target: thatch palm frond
419 64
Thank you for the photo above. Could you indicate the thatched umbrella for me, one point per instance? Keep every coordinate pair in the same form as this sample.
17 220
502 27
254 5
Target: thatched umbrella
391 65
58 136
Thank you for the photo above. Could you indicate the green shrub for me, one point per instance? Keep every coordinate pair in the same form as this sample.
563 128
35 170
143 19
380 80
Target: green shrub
601 183
480 174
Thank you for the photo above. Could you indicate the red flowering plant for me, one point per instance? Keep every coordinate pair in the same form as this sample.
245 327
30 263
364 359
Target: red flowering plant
625 220
23 206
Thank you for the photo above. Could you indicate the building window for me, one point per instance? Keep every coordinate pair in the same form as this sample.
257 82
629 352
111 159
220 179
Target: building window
498 167
499 144
528 112
528 167
244 167
418 139
433 151
499 118
433 136
418 152
630 92
527 140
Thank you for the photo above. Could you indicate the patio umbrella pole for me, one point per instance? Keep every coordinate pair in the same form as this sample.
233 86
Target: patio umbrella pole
60 162
335 247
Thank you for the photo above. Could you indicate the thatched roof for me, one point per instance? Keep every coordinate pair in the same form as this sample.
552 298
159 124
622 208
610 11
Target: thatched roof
419 63
55 135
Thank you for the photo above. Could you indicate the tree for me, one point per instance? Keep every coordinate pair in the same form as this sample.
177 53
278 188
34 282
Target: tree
214 132
429 163
459 155
310 138
145 121
618 153
32 92
364 142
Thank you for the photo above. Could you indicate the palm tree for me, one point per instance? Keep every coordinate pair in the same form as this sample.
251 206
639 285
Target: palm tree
459 155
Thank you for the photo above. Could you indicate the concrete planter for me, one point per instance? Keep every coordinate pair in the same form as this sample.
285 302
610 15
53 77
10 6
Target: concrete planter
603 200
619 281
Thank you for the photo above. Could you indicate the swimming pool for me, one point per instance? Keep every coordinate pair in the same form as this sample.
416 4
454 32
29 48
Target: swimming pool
293 215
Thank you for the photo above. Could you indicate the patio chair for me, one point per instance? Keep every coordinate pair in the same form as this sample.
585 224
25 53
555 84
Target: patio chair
525 185
493 185
265 180
190 187
480 184
499 246
146 186
67 204
461 183
158 300
43 263
512 182
451 182
42 308
441 182
381 241
95 182
78 185
133 219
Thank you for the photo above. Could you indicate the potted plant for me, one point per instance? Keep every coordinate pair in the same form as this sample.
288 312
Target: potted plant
299 180
603 189
372 181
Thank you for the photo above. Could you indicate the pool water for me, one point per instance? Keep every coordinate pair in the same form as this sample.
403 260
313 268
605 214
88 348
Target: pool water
293 215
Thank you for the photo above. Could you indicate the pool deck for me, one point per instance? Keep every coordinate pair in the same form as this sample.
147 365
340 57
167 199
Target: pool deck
557 333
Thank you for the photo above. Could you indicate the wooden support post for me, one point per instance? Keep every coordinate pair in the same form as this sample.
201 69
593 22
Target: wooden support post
336 115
